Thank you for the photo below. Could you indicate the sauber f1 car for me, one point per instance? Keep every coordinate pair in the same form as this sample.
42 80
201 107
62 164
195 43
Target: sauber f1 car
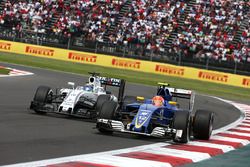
140 116
82 101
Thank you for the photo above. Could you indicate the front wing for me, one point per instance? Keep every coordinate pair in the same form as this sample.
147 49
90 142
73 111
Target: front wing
118 126
53 108
43 107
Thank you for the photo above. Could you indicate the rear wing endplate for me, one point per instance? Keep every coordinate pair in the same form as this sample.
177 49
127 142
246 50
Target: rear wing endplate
183 93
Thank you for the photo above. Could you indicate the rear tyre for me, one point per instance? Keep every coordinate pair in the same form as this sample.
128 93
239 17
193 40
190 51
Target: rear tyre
203 124
43 95
99 102
107 111
181 124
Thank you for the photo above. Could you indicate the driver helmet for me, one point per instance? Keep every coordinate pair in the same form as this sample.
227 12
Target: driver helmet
88 88
158 101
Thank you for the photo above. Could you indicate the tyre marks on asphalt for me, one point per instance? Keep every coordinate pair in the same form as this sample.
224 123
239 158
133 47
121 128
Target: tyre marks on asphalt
166 154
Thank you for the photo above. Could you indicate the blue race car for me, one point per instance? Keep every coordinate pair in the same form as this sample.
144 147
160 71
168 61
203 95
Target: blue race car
158 117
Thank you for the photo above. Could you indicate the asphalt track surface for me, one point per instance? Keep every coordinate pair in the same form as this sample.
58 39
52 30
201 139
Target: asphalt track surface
26 136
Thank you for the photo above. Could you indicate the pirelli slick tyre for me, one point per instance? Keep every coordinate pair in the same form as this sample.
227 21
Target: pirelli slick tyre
42 96
203 124
107 111
99 102
181 123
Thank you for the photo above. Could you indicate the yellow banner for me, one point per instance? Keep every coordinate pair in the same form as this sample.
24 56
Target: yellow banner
125 63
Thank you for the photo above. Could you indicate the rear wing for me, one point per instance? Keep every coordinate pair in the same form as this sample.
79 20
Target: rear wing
183 93
111 81
106 81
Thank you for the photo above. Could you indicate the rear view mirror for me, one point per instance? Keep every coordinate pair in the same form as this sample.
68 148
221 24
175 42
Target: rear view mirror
139 98
71 84
172 103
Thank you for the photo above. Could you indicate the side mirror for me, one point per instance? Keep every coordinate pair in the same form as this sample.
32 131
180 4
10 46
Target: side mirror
139 98
71 84
172 103
108 92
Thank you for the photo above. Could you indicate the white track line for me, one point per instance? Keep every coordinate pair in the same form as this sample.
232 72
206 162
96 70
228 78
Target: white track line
237 133
224 148
222 138
123 161
240 128
194 156
247 121
245 124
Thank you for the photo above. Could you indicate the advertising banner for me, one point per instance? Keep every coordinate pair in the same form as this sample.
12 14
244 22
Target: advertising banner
125 63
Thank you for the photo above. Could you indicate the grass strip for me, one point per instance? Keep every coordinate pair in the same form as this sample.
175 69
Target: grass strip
4 71
224 91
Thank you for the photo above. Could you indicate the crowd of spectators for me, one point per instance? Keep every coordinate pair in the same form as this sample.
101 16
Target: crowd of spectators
77 17
210 26
91 18
30 15
148 23
243 49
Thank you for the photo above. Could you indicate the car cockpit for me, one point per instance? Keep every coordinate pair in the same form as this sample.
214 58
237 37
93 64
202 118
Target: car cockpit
163 91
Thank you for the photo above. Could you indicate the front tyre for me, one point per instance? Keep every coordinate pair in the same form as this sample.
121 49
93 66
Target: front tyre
42 96
181 123
203 124
99 102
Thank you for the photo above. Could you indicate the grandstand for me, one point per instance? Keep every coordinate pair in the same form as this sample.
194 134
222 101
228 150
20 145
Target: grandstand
212 34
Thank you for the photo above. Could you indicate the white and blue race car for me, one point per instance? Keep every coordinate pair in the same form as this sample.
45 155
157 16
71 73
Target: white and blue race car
80 101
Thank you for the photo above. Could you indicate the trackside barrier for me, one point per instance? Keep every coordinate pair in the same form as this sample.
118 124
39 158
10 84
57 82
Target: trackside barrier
125 63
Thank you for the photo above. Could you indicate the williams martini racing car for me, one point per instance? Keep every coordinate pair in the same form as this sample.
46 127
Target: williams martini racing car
158 117
82 101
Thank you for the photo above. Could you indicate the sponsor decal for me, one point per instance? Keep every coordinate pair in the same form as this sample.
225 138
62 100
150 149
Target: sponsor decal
5 46
246 82
213 76
39 51
126 63
82 57
142 118
169 70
